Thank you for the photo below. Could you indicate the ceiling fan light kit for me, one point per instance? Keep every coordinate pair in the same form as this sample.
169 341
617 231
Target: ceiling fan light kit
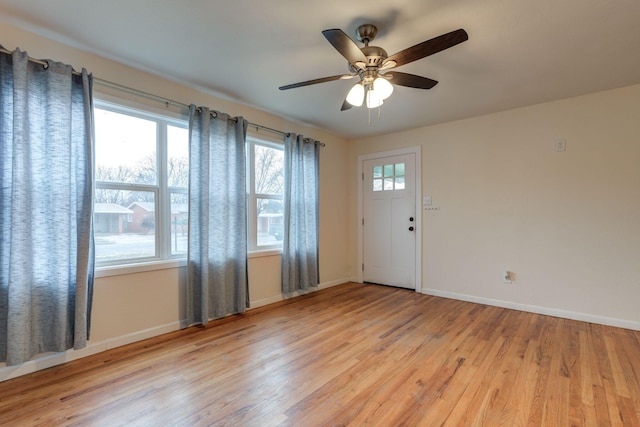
355 96
374 99
371 65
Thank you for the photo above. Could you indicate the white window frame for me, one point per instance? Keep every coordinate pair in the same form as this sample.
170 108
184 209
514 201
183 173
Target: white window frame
252 196
162 192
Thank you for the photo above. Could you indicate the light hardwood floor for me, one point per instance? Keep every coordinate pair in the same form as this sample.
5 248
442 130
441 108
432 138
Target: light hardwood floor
349 355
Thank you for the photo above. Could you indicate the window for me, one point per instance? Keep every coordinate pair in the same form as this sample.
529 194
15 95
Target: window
388 177
265 188
142 174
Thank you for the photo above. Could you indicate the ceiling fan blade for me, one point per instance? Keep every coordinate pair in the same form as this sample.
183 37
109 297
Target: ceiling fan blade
428 47
410 80
345 106
347 47
316 81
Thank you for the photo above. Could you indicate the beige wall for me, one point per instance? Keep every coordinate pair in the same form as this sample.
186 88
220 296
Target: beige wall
566 223
135 306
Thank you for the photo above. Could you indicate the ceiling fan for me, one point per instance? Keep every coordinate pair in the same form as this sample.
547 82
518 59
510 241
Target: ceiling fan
375 68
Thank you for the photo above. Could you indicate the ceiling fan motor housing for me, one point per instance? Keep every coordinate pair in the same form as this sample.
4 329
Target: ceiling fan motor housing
375 55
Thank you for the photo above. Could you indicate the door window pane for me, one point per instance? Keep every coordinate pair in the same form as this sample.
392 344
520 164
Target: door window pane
388 184
399 173
389 177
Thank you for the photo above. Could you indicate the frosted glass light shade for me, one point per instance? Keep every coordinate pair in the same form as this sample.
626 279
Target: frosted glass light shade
373 99
355 96
382 87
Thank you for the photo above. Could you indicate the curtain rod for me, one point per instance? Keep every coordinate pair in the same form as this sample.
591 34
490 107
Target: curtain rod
168 101
151 96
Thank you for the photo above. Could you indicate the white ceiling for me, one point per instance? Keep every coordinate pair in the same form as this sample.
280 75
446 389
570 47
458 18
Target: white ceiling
519 52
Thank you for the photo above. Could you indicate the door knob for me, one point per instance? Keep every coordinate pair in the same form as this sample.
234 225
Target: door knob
410 228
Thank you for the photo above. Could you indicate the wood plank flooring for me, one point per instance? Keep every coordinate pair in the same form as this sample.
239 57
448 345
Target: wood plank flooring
349 355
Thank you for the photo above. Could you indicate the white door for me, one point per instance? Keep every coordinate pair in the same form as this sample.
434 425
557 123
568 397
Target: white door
389 223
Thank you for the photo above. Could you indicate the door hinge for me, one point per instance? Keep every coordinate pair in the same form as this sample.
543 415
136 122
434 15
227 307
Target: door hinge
362 221
363 266
363 176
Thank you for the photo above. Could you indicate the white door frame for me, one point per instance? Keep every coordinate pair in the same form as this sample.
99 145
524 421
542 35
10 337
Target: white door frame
418 215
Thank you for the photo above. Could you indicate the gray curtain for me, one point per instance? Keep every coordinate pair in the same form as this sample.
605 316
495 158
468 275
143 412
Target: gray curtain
46 195
217 260
300 242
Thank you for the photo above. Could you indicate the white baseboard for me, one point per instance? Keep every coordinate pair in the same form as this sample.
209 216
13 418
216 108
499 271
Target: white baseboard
333 283
584 317
53 359
282 297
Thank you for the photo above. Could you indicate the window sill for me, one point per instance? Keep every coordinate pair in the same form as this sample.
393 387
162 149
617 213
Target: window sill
117 270
264 252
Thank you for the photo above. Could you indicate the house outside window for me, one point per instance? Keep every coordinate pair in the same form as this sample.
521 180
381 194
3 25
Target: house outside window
110 218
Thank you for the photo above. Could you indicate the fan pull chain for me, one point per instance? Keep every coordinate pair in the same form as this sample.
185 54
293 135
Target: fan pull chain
379 113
